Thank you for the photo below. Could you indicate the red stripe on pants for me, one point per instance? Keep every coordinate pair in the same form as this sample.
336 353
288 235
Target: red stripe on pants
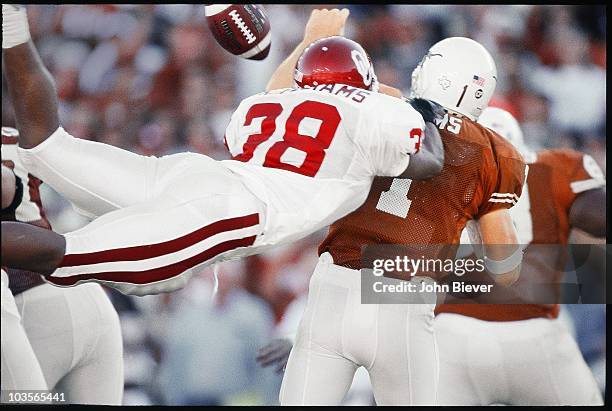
143 252
157 274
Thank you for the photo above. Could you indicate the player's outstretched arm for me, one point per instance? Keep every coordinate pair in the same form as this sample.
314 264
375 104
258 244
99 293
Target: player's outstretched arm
588 212
322 23
30 85
31 248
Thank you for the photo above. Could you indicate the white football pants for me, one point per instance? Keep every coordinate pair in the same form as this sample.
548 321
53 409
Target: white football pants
529 362
76 336
338 334
158 218
20 367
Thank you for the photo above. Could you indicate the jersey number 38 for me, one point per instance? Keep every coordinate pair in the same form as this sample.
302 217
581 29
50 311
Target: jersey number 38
313 147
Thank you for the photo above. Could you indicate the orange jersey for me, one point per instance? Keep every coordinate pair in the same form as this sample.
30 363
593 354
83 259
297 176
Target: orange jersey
555 179
482 172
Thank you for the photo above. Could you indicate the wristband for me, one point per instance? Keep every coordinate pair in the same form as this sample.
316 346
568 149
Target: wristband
15 28
506 265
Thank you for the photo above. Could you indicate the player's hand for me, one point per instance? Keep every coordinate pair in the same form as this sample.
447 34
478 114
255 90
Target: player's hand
276 353
428 109
325 23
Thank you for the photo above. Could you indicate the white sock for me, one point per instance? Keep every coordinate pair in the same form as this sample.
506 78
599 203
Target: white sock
15 29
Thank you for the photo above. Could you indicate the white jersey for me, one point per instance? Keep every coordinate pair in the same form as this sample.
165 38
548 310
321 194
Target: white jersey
333 139
308 158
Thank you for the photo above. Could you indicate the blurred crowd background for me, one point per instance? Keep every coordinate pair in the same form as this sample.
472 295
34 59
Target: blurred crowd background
151 79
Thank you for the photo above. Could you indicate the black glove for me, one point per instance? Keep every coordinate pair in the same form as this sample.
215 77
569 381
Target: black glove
428 109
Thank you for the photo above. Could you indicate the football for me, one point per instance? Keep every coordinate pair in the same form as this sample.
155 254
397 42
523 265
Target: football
241 29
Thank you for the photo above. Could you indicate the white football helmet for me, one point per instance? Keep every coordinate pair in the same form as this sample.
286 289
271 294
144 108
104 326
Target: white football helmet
504 124
459 74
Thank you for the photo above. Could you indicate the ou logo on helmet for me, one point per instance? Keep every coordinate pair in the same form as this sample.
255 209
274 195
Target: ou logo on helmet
363 67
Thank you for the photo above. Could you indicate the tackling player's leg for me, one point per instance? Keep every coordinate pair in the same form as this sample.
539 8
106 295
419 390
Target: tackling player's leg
97 178
203 214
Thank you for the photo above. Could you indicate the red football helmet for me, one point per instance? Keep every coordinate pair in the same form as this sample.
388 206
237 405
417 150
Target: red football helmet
335 60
